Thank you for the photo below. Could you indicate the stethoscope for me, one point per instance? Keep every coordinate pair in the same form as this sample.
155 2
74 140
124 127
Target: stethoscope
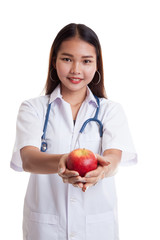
94 119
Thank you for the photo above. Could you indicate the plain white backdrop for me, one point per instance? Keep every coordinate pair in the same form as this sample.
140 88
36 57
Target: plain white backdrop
129 32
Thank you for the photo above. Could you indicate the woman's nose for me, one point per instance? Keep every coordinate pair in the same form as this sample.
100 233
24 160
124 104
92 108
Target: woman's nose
75 69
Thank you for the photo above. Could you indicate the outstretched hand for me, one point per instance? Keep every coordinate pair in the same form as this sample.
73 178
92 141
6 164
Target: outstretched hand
69 176
90 179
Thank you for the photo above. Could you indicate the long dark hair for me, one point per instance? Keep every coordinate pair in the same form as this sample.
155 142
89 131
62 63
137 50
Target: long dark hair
87 35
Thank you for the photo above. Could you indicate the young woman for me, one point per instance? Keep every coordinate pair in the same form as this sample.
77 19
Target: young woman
57 205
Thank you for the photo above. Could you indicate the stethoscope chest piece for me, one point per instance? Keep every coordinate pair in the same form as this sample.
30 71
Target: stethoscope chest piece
43 146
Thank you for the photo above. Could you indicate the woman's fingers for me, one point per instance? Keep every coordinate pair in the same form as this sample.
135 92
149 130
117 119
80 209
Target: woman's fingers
80 185
102 161
68 174
94 173
93 177
62 170
74 180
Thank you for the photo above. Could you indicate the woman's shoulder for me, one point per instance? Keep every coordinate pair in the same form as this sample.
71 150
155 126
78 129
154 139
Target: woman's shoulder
40 100
109 104
111 109
37 104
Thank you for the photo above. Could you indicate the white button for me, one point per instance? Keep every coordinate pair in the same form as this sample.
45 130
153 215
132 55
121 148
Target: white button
73 199
72 235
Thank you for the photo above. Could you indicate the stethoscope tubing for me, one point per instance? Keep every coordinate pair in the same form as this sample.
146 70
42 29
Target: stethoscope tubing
94 119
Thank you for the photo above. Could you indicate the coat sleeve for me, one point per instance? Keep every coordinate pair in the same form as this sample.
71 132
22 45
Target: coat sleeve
29 130
116 134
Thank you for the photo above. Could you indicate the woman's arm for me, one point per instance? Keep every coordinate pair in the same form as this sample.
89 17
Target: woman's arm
35 161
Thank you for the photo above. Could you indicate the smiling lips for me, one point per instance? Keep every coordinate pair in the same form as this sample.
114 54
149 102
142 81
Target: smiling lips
75 80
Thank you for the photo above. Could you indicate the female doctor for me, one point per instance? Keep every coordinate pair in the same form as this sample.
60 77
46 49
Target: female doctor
59 204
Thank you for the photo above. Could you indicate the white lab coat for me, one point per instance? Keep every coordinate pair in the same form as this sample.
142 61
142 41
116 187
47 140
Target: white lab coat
54 210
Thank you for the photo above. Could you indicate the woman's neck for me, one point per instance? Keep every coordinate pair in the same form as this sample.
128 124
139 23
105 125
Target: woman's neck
74 97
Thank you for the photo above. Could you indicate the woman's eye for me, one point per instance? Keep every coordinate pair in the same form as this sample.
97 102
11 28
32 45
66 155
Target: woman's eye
67 59
87 61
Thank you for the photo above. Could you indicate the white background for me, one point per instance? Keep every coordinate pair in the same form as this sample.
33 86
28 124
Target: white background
129 32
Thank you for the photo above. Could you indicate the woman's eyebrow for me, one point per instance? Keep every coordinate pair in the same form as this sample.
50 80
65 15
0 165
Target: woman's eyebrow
70 55
87 56
67 54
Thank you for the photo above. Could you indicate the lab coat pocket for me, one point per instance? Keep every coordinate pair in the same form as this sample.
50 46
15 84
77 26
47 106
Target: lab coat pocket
43 226
100 226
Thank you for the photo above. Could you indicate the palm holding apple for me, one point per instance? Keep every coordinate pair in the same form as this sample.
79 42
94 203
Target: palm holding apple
82 168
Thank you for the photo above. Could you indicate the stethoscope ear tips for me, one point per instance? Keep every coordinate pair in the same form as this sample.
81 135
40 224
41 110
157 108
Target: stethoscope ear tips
43 147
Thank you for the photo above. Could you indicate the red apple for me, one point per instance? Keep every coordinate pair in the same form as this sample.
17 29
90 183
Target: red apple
82 161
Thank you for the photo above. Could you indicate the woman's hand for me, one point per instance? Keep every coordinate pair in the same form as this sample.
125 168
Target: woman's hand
67 175
107 167
92 177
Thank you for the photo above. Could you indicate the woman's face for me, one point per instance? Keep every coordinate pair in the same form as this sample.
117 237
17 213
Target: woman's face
76 64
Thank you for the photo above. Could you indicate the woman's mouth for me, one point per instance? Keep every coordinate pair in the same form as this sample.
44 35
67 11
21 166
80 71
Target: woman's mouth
74 80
